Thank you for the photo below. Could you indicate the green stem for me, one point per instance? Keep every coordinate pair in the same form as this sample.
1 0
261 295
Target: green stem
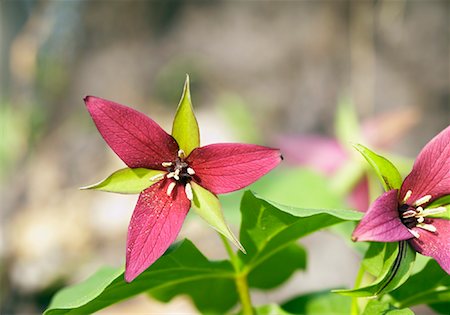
240 279
244 294
359 277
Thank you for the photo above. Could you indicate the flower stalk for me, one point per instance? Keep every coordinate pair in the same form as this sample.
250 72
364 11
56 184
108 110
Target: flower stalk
240 278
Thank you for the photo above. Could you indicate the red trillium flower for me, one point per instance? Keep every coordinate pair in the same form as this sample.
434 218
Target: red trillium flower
412 213
183 174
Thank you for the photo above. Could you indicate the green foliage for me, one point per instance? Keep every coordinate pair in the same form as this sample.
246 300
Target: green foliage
431 285
268 227
185 127
322 302
278 268
375 307
126 181
392 263
180 265
385 170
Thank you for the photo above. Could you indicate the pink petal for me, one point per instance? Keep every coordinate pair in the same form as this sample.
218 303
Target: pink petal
359 196
431 171
136 139
155 224
227 167
320 153
437 244
381 222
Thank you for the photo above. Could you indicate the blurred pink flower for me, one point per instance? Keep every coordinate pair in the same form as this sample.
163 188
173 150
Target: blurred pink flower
160 211
407 214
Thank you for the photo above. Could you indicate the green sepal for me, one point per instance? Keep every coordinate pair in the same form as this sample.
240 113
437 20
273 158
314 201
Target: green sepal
127 181
385 170
185 127
207 206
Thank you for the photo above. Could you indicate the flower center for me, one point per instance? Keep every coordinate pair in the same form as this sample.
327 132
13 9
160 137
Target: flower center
180 171
415 216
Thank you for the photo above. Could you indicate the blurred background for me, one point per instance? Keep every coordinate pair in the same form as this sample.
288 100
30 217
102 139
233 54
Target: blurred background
269 72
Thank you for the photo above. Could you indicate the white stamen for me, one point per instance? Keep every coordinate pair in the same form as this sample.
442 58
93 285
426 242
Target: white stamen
416 235
427 227
188 190
157 177
419 211
176 174
181 154
170 188
176 177
420 219
407 195
167 164
409 214
432 211
190 171
422 200
170 175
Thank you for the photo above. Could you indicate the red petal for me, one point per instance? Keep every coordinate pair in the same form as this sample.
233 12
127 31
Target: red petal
136 139
155 224
227 167
381 222
436 245
323 154
431 171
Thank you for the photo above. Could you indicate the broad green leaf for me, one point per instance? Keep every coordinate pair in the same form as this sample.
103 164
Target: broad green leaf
207 206
346 124
440 308
127 181
180 265
379 257
268 227
278 268
430 285
396 268
297 187
385 170
270 309
185 126
376 307
321 302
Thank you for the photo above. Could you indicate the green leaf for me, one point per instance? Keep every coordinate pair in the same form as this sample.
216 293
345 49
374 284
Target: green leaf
397 265
270 309
379 257
376 307
425 287
385 170
297 187
185 126
180 265
268 227
207 206
321 302
278 268
127 181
